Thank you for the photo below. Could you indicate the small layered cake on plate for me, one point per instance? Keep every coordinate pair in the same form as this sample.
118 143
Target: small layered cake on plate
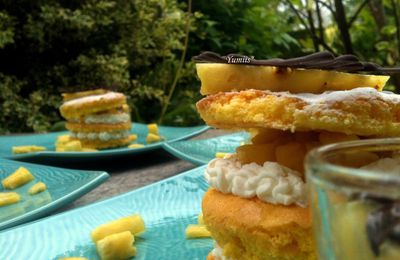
98 118
257 206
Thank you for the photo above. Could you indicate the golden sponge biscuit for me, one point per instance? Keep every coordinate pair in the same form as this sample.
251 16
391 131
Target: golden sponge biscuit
361 111
78 107
99 144
253 229
82 127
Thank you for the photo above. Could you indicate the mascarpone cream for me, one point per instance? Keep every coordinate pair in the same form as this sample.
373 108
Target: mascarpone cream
270 182
103 136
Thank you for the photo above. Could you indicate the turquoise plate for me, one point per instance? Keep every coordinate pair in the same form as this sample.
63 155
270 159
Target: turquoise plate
63 187
202 151
167 207
170 134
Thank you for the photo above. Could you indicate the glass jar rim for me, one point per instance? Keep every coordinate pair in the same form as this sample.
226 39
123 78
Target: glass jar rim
316 160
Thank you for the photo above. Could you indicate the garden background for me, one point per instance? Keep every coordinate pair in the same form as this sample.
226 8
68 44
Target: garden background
144 47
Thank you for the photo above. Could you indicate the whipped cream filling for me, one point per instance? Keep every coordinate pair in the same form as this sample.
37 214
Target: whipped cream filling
217 252
104 119
270 182
103 136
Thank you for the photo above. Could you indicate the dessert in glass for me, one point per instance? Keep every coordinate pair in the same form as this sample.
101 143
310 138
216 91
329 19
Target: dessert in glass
355 199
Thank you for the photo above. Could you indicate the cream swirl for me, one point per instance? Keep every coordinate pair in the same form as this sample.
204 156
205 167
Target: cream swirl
270 182
103 136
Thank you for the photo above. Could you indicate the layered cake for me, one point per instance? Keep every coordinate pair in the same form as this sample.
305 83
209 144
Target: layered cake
257 206
98 118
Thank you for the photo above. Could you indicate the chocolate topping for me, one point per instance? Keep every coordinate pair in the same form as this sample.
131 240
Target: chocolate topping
320 60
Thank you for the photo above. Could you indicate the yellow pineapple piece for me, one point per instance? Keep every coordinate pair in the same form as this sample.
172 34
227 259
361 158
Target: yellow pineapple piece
258 153
217 78
330 138
266 135
7 198
153 128
200 219
73 146
291 155
84 149
132 137
152 138
60 149
18 178
135 145
118 246
197 231
134 224
73 258
37 188
63 139
220 155
27 149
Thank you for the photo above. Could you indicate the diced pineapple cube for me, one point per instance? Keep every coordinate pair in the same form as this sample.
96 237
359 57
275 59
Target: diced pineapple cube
132 138
63 139
18 178
118 246
27 149
7 198
60 149
291 155
134 224
330 138
153 128
220 155
200 219
197 231
73 258
37 188
266 135
84 149
135 145
258 153
151 138
73 146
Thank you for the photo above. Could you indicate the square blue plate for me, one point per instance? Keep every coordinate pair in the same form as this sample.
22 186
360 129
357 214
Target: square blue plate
167 207
63 187
170 134
201 151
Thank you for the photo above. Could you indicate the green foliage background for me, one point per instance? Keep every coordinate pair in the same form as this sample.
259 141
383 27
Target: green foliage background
48 45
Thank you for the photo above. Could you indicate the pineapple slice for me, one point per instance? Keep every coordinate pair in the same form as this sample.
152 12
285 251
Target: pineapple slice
18 178
134 224
330 138
135 146
7 198
37 188
27 149
152 138
197 231
153 128
217 78
118 246
291 155
258 153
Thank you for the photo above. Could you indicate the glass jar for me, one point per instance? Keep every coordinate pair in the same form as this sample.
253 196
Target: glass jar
355 199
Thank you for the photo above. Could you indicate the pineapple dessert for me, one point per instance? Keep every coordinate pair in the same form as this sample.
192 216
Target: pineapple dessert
98 119
257 205
18 178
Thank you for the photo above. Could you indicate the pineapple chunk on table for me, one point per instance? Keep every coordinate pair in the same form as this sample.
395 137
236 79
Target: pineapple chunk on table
118 246
200 219
27 149
37 188
135 146
197 231
7 198
152 128
73 146
18 178
152 138
134 224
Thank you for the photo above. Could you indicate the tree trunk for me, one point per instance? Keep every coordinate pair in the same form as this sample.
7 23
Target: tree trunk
343 27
